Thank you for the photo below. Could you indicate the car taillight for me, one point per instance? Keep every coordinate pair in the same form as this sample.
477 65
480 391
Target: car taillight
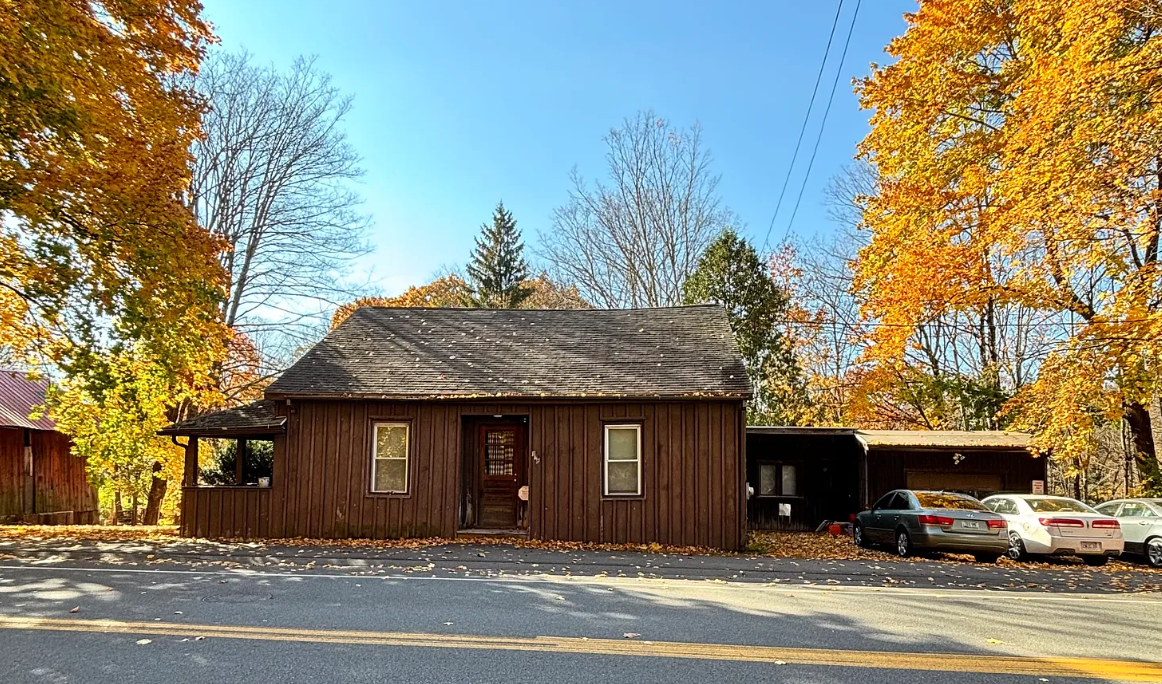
997 524
1061 522
926 519
1108 524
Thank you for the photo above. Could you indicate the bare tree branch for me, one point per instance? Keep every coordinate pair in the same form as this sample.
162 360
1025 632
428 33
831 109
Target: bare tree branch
273 176
633 241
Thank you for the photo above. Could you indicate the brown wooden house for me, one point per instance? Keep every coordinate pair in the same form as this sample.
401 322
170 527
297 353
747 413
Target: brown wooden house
41 482
804 476
620 426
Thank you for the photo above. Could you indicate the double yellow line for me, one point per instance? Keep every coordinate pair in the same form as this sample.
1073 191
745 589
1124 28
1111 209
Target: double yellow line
1127 670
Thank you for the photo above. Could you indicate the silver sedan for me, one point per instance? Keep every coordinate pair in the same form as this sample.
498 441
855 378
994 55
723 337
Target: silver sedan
933 521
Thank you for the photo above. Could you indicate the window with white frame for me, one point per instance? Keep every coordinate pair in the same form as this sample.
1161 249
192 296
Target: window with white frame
623 460
389 458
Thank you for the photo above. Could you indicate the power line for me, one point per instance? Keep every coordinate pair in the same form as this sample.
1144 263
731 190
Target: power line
806 118
826 111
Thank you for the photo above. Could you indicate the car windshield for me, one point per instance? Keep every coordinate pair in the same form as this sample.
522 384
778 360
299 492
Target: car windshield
946 500
1058 506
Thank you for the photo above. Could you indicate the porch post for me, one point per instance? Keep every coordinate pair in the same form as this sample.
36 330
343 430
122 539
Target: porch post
239 460
191 470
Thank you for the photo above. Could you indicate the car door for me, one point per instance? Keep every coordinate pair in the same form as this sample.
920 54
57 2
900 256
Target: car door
1137 521
873 531
897 507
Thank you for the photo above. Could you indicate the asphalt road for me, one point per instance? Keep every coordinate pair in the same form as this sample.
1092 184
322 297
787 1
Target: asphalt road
144 615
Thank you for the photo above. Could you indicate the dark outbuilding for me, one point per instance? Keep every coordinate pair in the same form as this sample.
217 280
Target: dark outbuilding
803 477
621 426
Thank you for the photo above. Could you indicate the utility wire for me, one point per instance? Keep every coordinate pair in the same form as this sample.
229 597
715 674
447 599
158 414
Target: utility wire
803 128
826 111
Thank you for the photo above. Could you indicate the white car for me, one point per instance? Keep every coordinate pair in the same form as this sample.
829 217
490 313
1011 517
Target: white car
1141 521
1056 525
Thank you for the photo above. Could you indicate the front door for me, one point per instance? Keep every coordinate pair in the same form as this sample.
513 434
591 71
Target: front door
501 462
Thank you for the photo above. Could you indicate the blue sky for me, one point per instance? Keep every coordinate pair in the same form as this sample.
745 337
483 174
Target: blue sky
461 104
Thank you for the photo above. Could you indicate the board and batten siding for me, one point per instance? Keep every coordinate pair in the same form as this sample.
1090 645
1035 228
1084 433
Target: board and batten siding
60 490
692 474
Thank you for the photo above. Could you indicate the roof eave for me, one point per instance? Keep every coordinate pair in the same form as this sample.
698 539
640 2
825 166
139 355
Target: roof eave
510 396
247 431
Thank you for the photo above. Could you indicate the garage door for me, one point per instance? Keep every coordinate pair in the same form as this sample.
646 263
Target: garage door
973 483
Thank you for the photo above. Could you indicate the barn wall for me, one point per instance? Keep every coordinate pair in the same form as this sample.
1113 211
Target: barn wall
61 481
692 463
62 493
11 472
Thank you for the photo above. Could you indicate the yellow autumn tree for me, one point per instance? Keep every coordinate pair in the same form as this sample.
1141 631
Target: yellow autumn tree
1018 146
107 278
95 134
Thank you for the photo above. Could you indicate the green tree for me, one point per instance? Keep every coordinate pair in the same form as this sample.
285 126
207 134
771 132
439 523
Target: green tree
732 274
497 269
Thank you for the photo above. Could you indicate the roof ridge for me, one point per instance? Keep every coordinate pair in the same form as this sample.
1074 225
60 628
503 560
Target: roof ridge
703 305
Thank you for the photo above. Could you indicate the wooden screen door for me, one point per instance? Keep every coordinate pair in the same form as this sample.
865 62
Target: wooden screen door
501 465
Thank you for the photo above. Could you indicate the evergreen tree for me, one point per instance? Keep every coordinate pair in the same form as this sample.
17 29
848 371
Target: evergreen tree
731 274
497 269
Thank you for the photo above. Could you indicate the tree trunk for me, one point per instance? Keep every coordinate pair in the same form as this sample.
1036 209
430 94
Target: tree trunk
116 508
1142 443
156 493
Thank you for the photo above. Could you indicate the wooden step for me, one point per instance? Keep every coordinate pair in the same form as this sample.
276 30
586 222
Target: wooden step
492 533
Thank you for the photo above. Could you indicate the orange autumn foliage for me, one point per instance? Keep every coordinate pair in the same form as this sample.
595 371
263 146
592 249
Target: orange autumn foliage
451 291
95 136
1017 145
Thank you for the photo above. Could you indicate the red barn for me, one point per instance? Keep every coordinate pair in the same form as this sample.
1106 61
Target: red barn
41 482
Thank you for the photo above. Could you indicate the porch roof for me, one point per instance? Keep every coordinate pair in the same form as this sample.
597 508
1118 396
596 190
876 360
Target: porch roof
250 420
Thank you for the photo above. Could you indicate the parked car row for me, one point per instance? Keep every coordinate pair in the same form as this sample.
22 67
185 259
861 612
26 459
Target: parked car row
1013 525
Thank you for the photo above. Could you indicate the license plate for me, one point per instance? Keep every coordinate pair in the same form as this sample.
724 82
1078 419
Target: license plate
971 524
1091 545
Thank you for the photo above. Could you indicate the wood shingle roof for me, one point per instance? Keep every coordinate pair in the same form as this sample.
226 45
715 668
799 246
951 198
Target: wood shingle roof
422 353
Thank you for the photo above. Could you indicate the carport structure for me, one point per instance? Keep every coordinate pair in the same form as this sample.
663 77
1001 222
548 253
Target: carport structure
803 476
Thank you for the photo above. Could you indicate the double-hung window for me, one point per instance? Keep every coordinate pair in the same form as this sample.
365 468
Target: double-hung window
623 460
389 458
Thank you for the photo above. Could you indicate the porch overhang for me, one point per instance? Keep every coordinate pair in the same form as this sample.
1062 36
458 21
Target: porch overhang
256 419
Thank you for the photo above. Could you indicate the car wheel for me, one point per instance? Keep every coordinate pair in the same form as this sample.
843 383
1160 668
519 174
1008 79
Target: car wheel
1154 552
903 544
1096 561
986 558
857 536
1016 547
